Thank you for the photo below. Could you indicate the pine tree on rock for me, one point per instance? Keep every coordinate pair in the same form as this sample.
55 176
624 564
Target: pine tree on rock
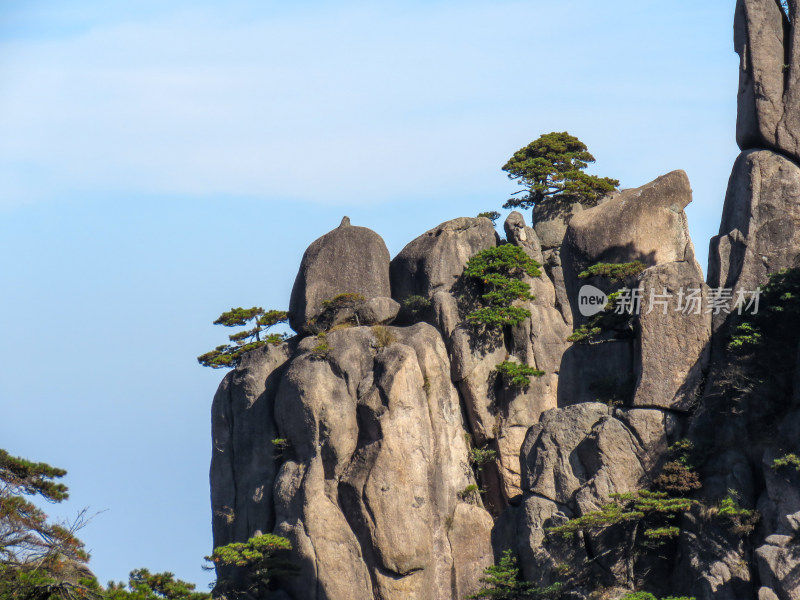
552 167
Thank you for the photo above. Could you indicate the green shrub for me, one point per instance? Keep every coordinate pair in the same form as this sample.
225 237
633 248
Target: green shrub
416 305
497 271
649 596
321 351
470 493
517 374
614 271
740 521
347 300
383 336
481 457
503 582
787 460
282 446
607 320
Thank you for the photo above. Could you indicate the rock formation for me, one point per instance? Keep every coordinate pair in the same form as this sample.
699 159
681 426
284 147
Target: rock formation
404 465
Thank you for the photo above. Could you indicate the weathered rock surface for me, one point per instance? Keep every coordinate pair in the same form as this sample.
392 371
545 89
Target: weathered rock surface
645 223
672 346
379 461
380 490
760 228
769 77
758 37
243 462
347 260
435 260
572 461
550 220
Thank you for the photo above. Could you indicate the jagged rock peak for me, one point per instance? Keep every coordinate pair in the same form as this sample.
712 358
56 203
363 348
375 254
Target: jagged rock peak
345 222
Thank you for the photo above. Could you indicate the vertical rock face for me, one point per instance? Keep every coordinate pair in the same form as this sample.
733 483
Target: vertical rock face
760 227
371 497
498 415
759 37
347 260
768 43
243 462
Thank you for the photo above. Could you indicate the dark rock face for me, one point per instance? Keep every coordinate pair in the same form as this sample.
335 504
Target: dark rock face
243 464
347 260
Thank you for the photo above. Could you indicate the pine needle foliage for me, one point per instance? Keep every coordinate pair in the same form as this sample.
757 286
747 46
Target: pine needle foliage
517 374
259 320
497 271
144 585
654 510
39 560
614 271
787 460
503 582
553 166
767 333
263 557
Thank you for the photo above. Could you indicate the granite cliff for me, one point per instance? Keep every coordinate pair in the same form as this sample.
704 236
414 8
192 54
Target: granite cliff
381 407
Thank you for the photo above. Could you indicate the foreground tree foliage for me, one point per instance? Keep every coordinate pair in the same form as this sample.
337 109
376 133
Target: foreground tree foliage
229 355
261 559
143 585
39 560
552 167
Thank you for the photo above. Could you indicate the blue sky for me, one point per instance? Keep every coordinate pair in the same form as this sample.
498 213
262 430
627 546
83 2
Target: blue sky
161 162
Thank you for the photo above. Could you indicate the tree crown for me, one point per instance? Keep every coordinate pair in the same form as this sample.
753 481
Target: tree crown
553 166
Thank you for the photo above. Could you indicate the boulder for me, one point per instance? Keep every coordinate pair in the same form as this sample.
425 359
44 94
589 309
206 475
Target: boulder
378 311
779 566
435 260
347 260
646 223
572 461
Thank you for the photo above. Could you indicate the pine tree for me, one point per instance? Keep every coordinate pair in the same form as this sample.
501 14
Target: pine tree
39 560
229 355
552 166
